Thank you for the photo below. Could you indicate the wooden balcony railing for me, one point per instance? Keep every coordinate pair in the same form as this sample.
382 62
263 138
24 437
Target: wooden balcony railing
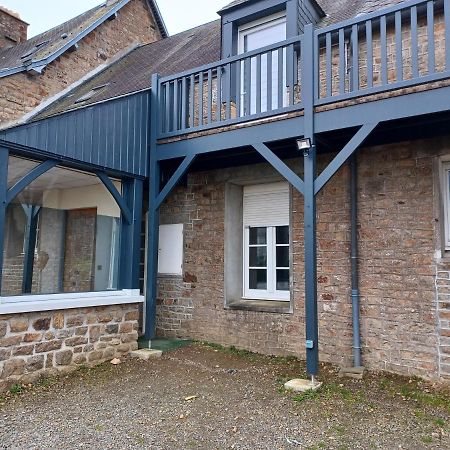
393 48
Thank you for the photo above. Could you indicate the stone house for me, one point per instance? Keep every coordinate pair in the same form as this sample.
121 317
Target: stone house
33 72
276 180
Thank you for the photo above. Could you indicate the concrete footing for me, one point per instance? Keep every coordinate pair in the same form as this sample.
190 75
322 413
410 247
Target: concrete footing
352 372
301 385
146 354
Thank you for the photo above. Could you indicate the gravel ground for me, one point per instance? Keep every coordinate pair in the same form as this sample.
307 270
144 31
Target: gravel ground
239 403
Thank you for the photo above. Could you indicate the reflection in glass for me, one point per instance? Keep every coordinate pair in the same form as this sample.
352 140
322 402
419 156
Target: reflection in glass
258 279
282 235
61 234
282 257
258 257
282 279
258 235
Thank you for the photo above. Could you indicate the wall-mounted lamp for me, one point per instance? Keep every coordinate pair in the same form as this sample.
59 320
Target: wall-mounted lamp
304 145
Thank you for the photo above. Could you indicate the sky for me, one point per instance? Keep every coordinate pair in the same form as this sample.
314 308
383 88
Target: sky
178 15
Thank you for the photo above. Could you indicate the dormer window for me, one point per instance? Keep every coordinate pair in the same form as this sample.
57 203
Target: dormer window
260 33
252 36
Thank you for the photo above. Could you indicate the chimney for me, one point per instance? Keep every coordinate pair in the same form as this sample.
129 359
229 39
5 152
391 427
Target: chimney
13 30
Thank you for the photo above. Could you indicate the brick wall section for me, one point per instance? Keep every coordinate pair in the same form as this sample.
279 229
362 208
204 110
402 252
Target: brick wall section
443 307
79 254
33 345
13 30
398 231
21 93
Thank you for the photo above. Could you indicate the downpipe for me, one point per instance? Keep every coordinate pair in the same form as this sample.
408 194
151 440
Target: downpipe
354 260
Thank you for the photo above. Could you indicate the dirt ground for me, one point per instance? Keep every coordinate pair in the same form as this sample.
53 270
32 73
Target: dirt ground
207 397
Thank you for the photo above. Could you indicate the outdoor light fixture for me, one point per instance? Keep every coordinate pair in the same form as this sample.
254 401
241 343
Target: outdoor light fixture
304 145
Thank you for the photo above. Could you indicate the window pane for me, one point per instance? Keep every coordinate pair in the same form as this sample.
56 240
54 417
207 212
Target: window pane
283 235
61 235
282 256
258 236
258 279
258 257
282 279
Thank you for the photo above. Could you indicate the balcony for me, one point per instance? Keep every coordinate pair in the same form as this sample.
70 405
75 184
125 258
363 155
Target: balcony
386 54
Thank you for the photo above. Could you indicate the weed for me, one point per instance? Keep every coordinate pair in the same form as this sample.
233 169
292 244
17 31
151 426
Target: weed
16 389
99 428
439 422
83 368
307 395
427 439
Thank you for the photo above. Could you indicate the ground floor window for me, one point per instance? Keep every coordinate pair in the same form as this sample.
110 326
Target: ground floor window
266 242
62 233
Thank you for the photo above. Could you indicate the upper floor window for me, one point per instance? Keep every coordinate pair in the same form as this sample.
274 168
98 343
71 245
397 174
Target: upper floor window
252 36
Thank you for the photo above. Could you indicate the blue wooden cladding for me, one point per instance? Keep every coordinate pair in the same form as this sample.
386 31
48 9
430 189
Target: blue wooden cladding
392 48
113 135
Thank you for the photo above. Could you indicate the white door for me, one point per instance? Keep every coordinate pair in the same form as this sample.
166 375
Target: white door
261 33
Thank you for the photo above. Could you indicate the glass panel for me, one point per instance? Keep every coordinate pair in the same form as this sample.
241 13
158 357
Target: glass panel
259 38
283 256
282 235
258 279
258 236
18 168
282 279
61 235
258 257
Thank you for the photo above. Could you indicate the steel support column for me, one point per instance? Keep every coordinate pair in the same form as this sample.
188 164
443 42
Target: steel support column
310 235
153 218
130 242
4 154
32 215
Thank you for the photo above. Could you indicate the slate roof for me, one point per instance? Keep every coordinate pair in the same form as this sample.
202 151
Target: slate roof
133 72
178 53
41 47
336 10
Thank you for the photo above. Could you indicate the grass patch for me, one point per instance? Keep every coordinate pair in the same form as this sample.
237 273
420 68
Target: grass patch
307 395
16 389
414 392
427 439
252 356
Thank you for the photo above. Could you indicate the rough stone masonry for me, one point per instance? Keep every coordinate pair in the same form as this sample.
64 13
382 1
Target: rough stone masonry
33 345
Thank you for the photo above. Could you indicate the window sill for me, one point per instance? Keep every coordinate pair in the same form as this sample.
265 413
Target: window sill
51 302
270 306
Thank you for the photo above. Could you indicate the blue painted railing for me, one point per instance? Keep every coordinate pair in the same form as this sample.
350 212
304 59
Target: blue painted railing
393 48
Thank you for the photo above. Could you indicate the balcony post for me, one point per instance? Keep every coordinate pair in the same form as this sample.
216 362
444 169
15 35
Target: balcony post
310 234
153 218
4 156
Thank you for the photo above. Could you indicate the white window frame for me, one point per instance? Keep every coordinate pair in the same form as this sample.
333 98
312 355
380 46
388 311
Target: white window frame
445 173
270 223
271 293
252 27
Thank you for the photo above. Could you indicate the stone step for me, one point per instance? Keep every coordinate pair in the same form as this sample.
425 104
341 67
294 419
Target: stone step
146 354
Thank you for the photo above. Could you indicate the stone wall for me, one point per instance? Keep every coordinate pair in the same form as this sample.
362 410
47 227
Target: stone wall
33 345
403 330
13 30
21 93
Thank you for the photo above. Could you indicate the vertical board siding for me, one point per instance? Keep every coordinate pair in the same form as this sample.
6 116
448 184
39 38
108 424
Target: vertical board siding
113 134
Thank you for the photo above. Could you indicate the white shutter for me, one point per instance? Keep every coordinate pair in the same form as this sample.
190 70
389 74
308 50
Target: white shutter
266 205
170 250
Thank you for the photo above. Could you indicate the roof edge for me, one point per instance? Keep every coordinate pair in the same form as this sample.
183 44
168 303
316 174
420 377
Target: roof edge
39 65
153 4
